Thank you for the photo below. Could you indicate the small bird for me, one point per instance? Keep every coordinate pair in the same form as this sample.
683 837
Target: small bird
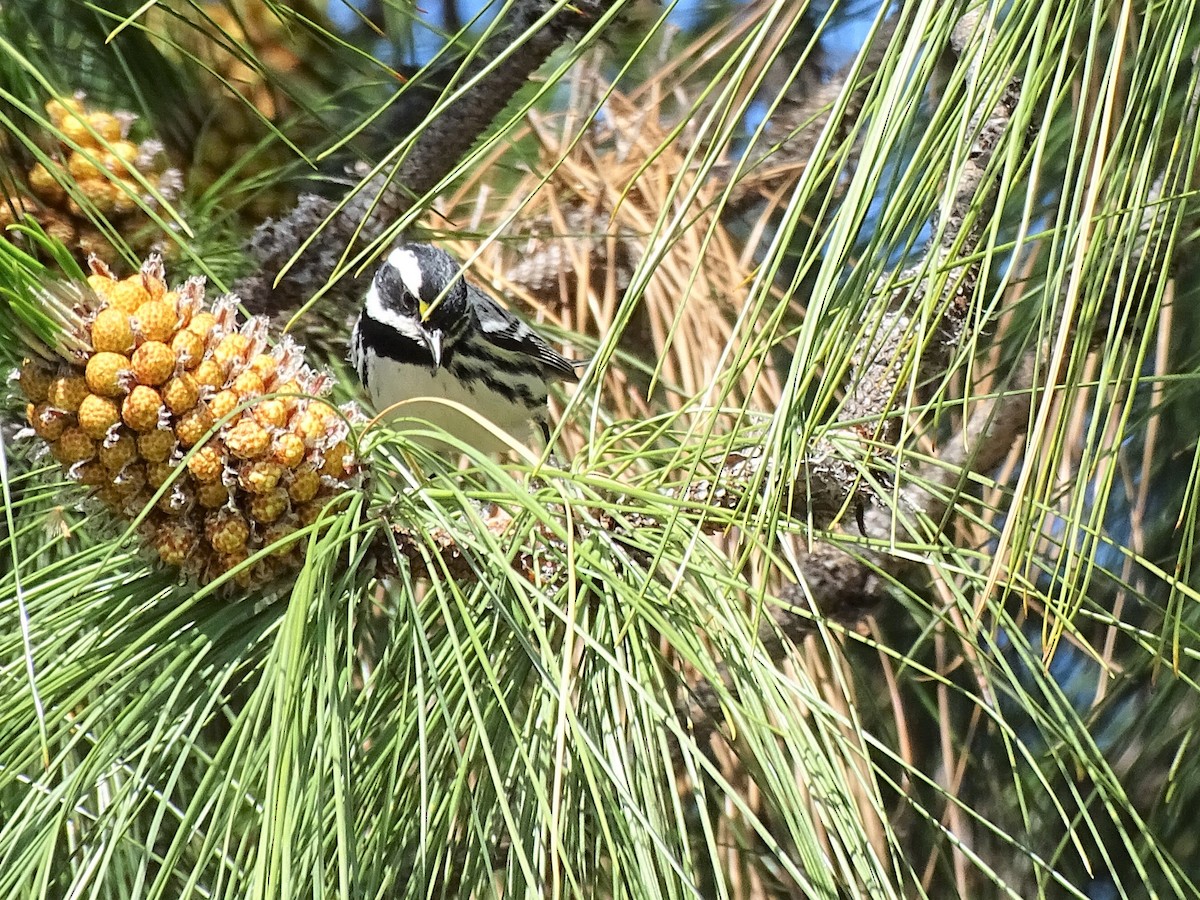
425 334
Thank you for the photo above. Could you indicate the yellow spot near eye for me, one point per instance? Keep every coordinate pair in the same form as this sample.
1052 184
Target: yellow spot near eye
423 309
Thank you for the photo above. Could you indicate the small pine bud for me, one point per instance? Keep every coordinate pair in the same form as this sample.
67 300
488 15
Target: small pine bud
92 473
248 384
155 320
103 285
73 446
128 294
265 367
107 126
226 531
60 110
97 415
260 477
309 513
275 535
270 413
34 381
174 503
82 168
207 463
159 472
174 541
209 374
111 331
305 485
157 445
48 421
267 507
66 392
189 348
143 409
223 403
339 461
213 495
194 424
202 324
288 450
229 348
247 439
230 562
314 422
120 157
131 481
118 451
181 393
44 185
108 374
153 363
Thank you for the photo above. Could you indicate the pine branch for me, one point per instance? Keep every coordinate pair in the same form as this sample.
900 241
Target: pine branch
796 123
533 31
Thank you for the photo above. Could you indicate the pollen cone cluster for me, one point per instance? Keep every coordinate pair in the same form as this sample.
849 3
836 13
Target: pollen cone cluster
108 174
166 405
251 62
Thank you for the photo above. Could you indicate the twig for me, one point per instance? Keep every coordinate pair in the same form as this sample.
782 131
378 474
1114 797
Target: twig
514 54
796 122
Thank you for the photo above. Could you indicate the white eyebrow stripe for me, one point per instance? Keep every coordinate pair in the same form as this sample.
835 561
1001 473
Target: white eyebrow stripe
404 261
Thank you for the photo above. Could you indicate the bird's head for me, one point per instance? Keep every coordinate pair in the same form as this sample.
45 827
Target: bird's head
420 291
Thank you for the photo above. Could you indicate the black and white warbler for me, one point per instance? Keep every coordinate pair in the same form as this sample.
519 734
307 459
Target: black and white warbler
426 335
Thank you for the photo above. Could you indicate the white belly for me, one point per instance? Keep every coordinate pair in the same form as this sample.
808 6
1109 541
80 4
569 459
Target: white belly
413 398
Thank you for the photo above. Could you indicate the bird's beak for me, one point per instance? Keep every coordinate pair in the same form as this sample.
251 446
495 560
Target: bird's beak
433 340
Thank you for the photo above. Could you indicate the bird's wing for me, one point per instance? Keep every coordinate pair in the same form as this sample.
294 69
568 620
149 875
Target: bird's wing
506 331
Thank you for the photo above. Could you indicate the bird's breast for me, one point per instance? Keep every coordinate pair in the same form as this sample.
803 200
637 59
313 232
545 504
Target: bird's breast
415 396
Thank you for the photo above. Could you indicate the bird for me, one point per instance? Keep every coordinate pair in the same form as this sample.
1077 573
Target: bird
426 334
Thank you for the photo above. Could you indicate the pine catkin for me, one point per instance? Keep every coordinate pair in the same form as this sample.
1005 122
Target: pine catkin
108 175
138 416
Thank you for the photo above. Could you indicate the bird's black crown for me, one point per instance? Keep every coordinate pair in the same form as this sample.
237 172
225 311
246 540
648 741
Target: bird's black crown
425 283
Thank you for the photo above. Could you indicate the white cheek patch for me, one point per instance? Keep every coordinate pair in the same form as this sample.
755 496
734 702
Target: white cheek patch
406 263
380 312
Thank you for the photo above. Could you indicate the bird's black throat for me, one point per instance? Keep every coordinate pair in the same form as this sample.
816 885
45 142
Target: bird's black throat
392 344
